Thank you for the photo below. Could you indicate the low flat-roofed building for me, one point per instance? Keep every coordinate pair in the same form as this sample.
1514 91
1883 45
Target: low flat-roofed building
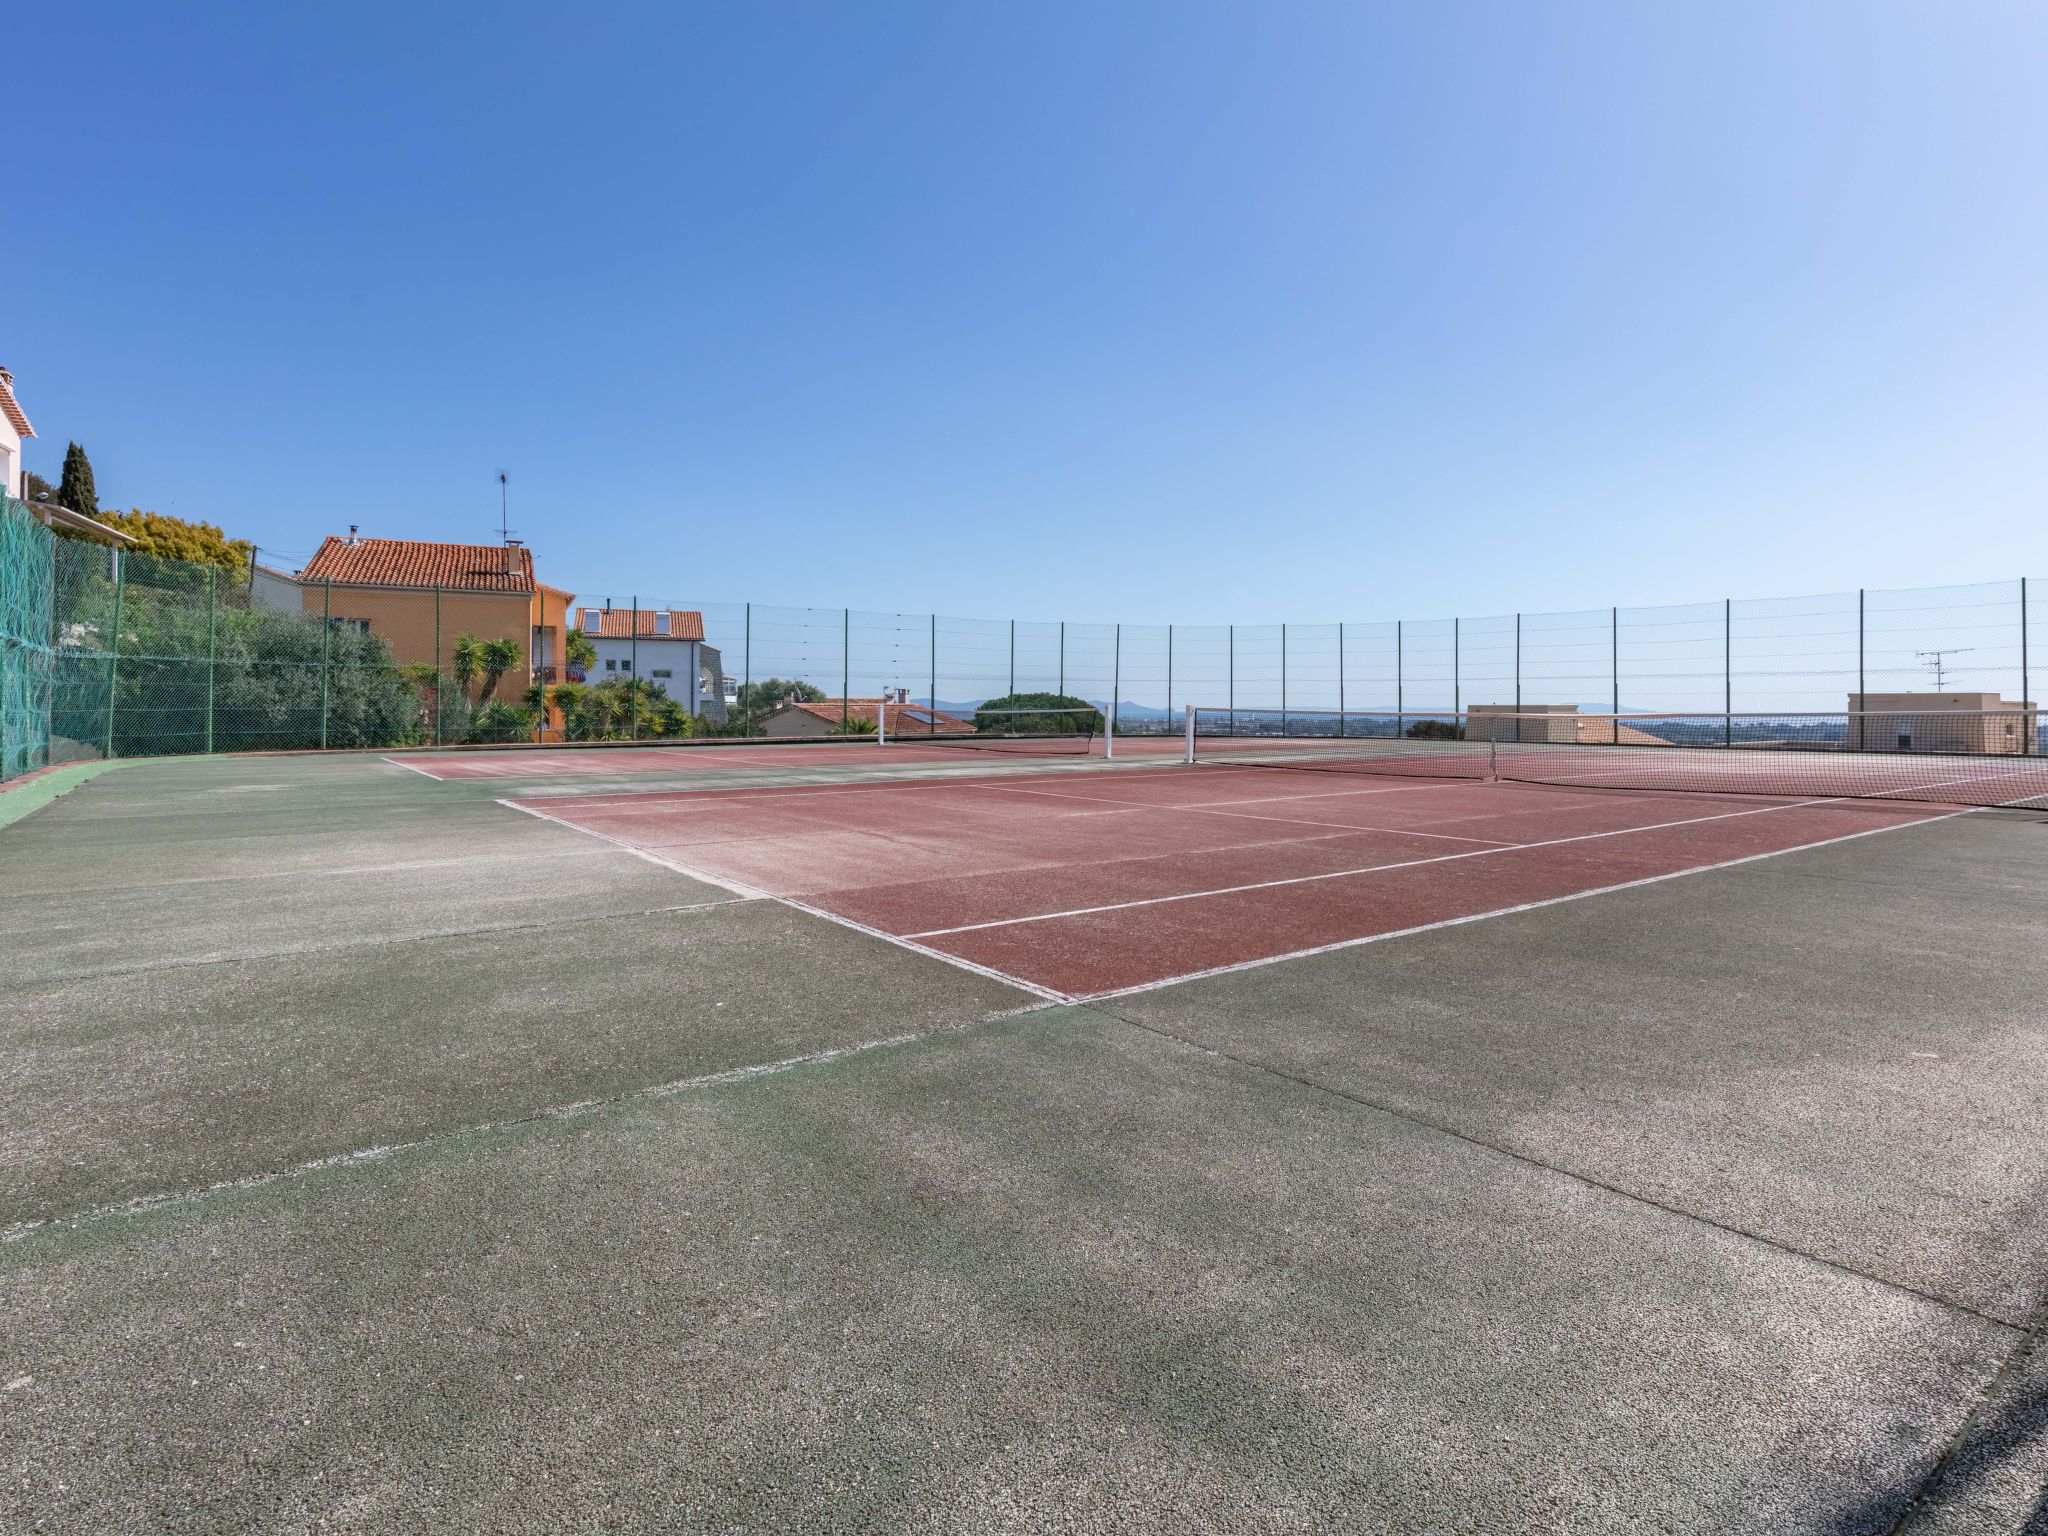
1977 724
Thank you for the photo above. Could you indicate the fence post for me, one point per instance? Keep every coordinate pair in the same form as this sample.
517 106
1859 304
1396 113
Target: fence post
845 665
1457 658
1116 674
1400 682
1518 677
1614 667
212 604
1063 658
114 656
1230 664
931 725
2028 727
326 648
1862 684
1727 671
437 665
1169 671
1340 677
747 672
633 664
1283 679
1013 658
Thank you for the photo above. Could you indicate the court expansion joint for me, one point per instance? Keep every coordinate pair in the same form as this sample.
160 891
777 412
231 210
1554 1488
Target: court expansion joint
2024 1329
143 1204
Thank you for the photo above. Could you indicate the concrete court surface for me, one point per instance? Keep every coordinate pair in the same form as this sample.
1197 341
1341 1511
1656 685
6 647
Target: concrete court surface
380 1159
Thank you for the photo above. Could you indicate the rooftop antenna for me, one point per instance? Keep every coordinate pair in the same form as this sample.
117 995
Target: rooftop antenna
504 531
1937 662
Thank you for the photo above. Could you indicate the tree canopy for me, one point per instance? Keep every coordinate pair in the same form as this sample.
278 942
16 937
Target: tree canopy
74 485
173 538
759 698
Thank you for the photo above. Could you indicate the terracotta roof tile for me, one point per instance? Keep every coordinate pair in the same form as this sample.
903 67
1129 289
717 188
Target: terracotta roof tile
903 719
11 408
417 563
617 623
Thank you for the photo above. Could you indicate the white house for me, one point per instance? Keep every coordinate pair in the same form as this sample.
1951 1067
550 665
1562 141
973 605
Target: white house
662 645
13 428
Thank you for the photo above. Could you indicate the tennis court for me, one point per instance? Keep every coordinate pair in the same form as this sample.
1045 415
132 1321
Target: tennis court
1086 886
845 1136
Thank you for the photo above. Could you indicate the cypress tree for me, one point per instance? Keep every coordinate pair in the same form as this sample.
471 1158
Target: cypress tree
74 486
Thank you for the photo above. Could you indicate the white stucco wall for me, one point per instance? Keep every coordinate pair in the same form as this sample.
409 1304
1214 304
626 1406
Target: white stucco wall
676 657
10 456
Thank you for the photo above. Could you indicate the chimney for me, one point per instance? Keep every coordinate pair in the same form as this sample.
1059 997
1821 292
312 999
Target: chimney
353 541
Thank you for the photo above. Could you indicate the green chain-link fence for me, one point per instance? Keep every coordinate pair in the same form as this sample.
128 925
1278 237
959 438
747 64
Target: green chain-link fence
114 654
26 658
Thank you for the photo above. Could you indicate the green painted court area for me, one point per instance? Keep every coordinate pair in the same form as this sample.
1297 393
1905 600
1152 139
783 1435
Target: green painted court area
379 1157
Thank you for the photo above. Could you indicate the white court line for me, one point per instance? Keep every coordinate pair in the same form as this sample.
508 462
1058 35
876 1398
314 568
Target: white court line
746 892
1478 917
750 893
1370 869
1215 808
397 763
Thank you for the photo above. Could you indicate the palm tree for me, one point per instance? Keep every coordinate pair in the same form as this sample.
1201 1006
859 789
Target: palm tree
469 660
498 658
578 652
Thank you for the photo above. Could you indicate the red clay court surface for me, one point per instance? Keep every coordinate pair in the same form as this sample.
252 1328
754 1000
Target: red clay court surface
1080 885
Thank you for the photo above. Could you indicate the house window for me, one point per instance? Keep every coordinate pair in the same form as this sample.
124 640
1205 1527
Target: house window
610 665
626 666
351 626
663 672
661 623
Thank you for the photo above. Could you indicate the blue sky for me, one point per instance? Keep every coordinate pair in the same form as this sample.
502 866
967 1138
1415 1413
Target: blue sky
1137 312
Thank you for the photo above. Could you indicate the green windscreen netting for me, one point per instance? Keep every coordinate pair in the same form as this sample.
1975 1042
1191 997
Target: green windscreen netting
26 568
110 653
156 657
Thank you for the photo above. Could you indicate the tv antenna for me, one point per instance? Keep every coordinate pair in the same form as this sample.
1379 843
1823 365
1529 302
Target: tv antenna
1937 662
504 529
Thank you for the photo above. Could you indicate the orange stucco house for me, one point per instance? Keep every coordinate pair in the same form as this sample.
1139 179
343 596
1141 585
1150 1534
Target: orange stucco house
418 597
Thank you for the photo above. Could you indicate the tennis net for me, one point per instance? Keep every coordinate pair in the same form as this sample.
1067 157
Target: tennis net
1945 757
1031 732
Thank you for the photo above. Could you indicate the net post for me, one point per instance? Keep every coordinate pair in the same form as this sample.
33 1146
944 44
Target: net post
1190 730
882 718
212 607
326 649
633 661
114 655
